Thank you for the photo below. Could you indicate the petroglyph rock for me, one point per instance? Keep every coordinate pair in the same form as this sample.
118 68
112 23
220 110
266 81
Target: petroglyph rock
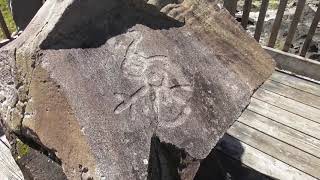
8 91
129 92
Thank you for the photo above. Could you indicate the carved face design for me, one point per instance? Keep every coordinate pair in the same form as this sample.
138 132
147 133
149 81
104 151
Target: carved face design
163 81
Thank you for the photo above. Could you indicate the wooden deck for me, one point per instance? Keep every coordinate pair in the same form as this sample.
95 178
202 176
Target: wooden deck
279 133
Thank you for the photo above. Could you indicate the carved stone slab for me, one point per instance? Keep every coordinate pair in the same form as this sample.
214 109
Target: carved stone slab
95 88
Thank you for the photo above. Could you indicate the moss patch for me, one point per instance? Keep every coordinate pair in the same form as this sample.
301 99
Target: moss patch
7 17
279 44
22 149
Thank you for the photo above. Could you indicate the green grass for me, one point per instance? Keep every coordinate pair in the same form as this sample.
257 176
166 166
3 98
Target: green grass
22 149
273 4
279 44
7 17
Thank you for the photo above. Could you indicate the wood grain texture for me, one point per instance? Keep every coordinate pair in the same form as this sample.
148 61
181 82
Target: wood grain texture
284 133
277 149
294 24
279 133
262 16
284 117
246 13
292 93
260 161
277 23
311 32
288 104
294 63
295 82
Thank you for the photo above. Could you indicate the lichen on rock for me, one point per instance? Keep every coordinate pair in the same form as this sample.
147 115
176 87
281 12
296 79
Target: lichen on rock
121 87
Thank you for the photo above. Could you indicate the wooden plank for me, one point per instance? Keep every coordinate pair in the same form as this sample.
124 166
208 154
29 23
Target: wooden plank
281 132
277 149
4 27
295 64
297 83
311 32
292 93
246 12
277 23
284 117
259 161
262 16
231 6
294 24
8 167
288 104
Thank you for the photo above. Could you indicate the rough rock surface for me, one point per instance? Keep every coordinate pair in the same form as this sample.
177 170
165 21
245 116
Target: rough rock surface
95 81
38 166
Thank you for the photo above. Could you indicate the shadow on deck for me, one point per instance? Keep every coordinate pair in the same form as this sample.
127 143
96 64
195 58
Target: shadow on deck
279 133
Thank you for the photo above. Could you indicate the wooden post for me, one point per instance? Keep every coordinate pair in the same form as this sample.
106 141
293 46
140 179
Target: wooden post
294 24
246 13
277 23
231 6
4 27
262 15
311 32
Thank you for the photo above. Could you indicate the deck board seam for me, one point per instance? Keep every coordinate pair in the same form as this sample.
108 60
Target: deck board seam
272 79
283 123
304 91
278 139
304 85
289 98
262 87
285 110
298 77
284 117
272 155
236 159
266 154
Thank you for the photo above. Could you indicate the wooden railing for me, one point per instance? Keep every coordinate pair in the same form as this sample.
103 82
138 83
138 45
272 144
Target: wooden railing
4 27
231 5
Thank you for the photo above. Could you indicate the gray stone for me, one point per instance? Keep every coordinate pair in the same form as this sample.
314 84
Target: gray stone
99 79
36 166
8 91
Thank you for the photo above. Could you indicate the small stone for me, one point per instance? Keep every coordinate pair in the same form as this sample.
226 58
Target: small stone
2 98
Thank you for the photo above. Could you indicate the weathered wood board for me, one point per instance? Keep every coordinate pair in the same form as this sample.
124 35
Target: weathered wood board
279 133
291 120
260 161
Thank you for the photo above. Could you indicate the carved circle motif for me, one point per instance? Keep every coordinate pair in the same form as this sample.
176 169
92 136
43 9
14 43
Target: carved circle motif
163 81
